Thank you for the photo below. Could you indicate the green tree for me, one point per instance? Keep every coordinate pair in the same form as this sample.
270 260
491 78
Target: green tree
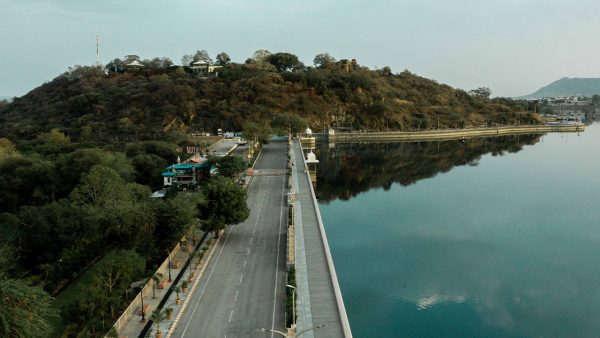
288 122
148 168
160 63
56 240
155 280
223 58
202 55
481 92
284 61
26 181
230 166
158 316
53 142
100 186
323 60
187 59
226 204
72 166
115 272
7 148
261 55
95 312
258 132
24 309
174 217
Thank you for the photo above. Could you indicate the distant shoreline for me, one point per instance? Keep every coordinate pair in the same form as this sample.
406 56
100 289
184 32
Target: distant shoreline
450 134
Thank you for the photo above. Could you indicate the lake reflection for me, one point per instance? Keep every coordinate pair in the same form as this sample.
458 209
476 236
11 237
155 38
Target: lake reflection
347 169
507 248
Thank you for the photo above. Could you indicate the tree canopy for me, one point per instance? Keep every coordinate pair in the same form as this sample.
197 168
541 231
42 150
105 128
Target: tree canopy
226 204
288 122
284 61
24 309
229 166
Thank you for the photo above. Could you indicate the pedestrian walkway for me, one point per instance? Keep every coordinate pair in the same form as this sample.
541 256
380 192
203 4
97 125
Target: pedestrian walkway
166 297
314 268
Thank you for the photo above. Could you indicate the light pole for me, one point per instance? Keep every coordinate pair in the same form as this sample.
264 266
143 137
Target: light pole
283 334
143 312
169 256
293 304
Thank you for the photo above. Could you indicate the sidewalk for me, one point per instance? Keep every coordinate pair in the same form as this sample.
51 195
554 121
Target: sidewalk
135 327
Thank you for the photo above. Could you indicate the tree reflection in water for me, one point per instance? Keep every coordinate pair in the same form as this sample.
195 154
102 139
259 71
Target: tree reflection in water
348 169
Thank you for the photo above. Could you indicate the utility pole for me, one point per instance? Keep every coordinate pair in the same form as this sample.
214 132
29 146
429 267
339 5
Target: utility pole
97 50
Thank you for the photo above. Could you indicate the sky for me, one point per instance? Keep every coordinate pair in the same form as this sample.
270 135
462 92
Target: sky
512 46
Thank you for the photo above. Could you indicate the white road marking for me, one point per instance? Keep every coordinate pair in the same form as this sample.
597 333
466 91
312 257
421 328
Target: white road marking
230 315
278 245
236 294
241 277
246 261
207 280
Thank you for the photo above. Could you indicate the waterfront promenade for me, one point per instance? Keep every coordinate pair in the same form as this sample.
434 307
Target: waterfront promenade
319 299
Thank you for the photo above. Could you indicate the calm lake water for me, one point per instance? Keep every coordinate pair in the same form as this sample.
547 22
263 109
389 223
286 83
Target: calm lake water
487 237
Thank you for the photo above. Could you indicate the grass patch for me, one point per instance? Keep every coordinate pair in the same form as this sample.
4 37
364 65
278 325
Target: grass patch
289 306
69 295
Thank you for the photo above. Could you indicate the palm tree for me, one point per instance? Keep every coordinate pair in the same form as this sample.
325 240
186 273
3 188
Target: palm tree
155 280
157 317
169 312
177 290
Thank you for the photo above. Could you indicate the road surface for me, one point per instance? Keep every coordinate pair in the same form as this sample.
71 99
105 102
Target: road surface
243 287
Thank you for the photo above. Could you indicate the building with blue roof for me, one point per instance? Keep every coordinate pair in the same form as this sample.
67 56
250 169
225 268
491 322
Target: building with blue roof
184 173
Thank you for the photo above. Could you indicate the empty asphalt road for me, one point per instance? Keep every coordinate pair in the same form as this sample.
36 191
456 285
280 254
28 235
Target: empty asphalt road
243 287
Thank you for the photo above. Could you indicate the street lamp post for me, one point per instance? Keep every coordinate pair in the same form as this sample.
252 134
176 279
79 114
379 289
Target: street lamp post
293 304
283 334
169 256
143 312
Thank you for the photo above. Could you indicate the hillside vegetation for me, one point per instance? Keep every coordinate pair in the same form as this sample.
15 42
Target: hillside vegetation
569 87
162 100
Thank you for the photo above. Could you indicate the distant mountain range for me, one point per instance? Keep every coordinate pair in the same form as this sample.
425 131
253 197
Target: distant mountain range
8 98
569 87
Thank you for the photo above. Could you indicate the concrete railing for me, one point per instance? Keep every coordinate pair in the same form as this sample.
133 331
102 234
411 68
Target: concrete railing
441 134
336 286
146 290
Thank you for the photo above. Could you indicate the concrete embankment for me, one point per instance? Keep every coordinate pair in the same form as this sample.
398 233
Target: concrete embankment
452 134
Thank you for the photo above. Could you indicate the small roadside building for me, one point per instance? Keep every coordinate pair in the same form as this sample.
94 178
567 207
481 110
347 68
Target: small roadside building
183 173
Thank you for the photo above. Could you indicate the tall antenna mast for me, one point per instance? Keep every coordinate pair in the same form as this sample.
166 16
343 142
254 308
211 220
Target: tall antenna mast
97 50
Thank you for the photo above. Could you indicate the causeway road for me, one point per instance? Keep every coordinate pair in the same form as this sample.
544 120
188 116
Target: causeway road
243 286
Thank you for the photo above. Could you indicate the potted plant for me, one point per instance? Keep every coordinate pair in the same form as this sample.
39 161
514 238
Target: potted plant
185 246
200 257
155 280
157 317
177 290
192 266
169 313
184 286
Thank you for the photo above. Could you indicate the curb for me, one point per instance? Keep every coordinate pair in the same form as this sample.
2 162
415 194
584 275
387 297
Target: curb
191 291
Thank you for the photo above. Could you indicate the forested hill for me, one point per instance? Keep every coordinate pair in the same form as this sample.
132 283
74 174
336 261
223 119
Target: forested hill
569 87
151 102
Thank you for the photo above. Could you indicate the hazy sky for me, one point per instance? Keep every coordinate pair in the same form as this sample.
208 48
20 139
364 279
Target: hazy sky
512 46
